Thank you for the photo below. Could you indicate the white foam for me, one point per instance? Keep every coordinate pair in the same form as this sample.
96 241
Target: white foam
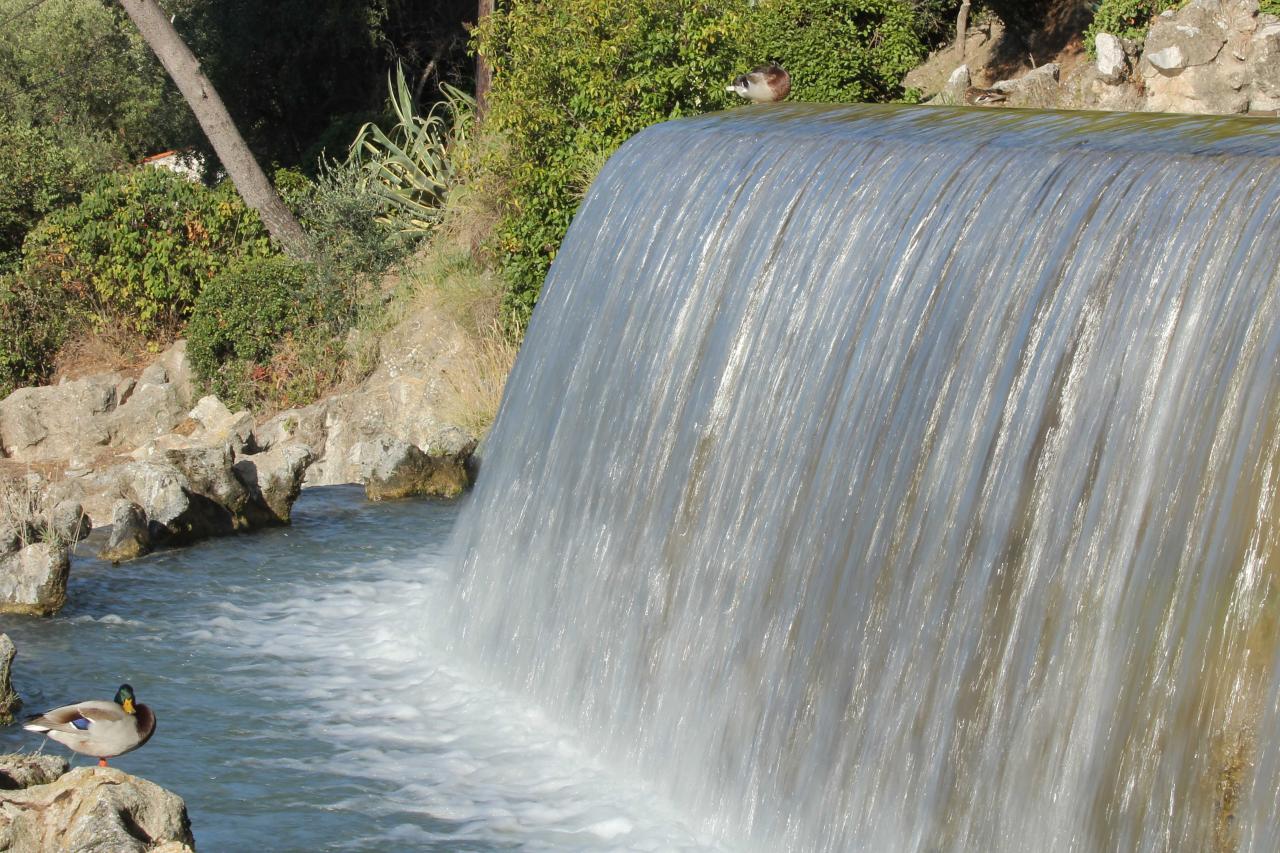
423 742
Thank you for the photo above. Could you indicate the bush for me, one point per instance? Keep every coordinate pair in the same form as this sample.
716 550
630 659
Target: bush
573 79
1127 19
34 323
37 176
142 244
266 331
340 215
839 51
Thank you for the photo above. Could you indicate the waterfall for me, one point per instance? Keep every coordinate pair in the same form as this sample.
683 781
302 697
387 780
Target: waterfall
904 479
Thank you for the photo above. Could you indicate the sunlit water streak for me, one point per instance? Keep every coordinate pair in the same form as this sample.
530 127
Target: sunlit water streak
302 707
903 480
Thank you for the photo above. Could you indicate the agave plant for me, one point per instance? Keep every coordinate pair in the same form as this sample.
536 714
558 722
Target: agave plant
410 169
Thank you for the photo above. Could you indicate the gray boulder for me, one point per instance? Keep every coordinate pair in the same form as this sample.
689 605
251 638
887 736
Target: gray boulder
209 473
1112 62
130 537
58 421
273 480
216 424
10 537
9 701
69 522
1264 62
94 810
391 469
23 770
294 426
1207 58
33 580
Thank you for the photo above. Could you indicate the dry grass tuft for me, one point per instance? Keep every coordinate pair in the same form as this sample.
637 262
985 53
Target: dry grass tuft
108 347
24 514
473 390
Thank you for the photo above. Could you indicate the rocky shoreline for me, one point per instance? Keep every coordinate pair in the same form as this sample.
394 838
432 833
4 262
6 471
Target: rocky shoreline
162 469
1209 57
44 806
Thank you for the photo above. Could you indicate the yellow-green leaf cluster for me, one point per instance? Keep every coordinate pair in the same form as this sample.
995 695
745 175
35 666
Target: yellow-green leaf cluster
573 79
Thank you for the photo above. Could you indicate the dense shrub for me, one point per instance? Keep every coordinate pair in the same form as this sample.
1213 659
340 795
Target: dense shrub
37 175
142 244
268 330
34 323
878 42
574 78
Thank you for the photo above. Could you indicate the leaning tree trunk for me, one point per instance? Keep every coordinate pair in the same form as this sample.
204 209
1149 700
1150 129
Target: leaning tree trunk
962 28
215 121
484 71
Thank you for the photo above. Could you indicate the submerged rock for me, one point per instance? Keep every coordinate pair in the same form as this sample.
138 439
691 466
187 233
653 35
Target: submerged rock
129 537
9 701
393 469
93 810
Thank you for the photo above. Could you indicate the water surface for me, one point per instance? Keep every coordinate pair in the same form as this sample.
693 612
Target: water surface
302 704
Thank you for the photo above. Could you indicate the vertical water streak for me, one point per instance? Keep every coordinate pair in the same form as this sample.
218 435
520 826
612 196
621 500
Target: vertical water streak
903 479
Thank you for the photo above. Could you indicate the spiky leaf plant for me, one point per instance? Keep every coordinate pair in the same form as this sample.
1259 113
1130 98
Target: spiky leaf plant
410 168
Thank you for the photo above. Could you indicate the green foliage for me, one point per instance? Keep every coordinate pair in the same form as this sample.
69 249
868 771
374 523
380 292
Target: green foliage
37 175
410 169
573 79
77 69
142 244
1127 19
34 323
839 51
267 330
341 216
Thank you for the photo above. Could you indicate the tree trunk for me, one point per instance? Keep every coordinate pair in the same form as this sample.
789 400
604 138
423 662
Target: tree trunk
484 73
962 28
181 64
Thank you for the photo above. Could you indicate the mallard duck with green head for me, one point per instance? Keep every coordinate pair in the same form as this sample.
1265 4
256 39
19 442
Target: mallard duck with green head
98 728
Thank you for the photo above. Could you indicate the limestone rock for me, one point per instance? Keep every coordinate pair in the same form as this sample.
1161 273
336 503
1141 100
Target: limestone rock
129 537
273 480
1112 63
33 580
1036 88
392 468
9 701
58 421
69 522
1264 55
1192 36
209 473
217 425
10 537
23 770
94 810
150 409
301 426
953 92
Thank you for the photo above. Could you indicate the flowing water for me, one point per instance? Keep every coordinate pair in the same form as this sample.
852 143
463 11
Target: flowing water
871 479
898 479
302 707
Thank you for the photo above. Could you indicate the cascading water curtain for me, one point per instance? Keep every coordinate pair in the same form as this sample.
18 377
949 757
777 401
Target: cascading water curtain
904 479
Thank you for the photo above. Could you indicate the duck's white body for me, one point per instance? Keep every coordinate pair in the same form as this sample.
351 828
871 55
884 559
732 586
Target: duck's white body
98 728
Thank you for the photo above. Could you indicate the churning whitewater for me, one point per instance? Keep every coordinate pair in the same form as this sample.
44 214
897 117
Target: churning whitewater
904 479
